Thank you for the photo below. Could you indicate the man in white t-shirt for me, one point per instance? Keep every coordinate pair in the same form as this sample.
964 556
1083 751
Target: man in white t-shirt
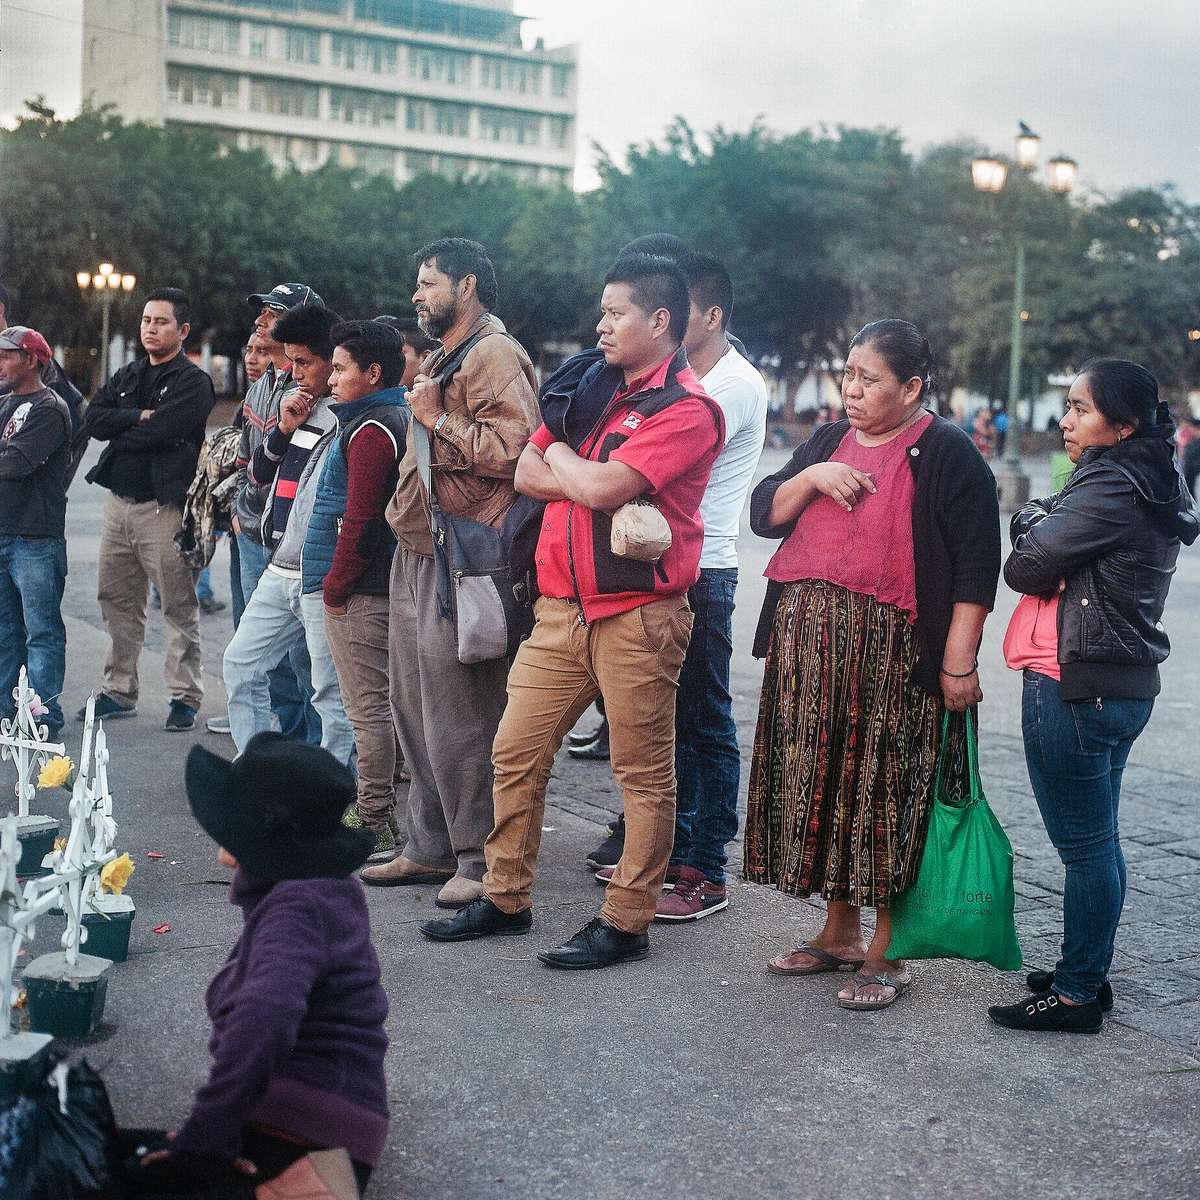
707 759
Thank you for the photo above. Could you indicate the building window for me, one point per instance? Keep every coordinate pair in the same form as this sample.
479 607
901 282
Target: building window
560 132
507 125
304 152
416 115
364 54
361 108
302 46
377 160
560 81
439 66
258 40
451 120
507 75
193 32
210 89
283 99
417 162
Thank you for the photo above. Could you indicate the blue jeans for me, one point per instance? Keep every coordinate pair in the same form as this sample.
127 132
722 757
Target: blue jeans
1076 752
33 573
204 585
707 760
276 618
290 683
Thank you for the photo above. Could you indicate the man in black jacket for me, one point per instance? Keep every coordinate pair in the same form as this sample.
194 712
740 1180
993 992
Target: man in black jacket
35 437
153 414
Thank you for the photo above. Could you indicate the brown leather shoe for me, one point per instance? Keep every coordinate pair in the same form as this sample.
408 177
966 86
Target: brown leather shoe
402 871
459 892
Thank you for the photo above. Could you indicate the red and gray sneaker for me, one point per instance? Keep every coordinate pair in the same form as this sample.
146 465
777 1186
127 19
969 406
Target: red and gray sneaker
606 873
692 897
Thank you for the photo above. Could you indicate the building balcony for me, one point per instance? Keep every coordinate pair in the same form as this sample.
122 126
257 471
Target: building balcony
394 137
399 84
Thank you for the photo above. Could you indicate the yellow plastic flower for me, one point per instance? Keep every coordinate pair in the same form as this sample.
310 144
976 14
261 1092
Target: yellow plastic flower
56 773
115 875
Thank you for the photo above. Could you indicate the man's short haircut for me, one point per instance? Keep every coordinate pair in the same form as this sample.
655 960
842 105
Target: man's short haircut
178 299
308 325
661 245
709 284
6 301
411 333
370 342
654 282
459 257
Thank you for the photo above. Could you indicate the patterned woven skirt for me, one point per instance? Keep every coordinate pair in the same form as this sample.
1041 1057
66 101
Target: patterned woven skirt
841 781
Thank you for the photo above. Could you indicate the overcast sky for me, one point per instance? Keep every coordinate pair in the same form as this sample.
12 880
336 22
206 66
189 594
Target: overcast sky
1113 84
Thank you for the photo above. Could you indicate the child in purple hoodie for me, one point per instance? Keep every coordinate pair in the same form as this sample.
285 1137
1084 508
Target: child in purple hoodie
296 1093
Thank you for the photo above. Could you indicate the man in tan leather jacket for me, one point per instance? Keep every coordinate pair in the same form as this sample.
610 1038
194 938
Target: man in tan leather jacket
446 713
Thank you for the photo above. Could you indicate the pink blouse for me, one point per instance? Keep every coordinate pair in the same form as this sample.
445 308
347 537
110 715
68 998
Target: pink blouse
869 549
1031 640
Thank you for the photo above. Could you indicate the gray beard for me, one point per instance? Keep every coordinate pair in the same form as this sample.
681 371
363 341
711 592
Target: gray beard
434 328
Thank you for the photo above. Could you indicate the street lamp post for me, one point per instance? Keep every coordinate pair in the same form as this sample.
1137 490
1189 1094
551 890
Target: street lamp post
106 280
989 175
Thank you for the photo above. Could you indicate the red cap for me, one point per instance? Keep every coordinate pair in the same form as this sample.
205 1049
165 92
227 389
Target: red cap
21 337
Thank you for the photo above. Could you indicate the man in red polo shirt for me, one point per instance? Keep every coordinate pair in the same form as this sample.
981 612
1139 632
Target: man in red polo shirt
606 624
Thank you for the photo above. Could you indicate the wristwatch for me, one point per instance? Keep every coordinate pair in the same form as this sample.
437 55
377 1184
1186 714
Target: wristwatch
437 425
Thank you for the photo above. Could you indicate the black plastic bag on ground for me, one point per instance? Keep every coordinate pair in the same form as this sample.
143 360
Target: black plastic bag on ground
63 1130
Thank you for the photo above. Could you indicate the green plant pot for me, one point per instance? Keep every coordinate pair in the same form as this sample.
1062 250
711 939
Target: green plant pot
108 930
36 835
65 1000
24 1060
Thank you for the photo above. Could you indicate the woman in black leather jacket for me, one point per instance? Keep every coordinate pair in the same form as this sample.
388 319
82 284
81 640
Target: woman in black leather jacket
1095 563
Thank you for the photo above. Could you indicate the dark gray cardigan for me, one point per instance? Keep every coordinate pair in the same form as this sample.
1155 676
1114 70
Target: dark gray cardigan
956 532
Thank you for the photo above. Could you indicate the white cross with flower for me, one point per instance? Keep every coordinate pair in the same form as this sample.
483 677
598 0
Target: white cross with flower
26 742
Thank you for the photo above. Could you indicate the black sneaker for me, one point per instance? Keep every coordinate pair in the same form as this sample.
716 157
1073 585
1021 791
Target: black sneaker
210 604
108 709
596 749
1043 981
180 717
609 852
588 735
1046 1013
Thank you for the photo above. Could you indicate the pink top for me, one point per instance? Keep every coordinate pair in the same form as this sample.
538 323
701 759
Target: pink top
1031 640
869 549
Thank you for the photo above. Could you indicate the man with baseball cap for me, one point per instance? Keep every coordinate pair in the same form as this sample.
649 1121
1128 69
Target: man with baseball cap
35 442
290 682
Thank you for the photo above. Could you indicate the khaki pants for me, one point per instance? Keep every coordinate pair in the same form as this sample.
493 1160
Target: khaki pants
446 716
137 547
358 641
633 661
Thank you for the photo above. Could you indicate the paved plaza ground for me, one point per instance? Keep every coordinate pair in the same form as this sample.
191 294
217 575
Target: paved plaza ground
694 1074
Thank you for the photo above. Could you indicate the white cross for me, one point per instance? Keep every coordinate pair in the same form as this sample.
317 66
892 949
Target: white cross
25 741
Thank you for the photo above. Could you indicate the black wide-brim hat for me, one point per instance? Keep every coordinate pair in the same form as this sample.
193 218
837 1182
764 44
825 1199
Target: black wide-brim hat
277 809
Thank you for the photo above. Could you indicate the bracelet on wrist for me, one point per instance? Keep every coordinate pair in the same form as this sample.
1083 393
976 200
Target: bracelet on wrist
964 675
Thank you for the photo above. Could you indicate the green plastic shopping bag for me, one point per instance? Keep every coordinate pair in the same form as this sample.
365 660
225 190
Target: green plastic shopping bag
961 905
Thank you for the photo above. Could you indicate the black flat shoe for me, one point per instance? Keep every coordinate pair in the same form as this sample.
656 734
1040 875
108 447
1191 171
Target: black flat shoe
1046 1013
1043 981
596 945
481 918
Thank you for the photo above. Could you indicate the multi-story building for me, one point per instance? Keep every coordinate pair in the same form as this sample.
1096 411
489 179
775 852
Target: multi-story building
393 86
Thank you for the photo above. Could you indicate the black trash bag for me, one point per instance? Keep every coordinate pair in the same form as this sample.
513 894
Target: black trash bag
63 1129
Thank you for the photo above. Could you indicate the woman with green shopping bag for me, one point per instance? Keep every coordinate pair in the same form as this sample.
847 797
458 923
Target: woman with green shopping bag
1094 563
878 595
